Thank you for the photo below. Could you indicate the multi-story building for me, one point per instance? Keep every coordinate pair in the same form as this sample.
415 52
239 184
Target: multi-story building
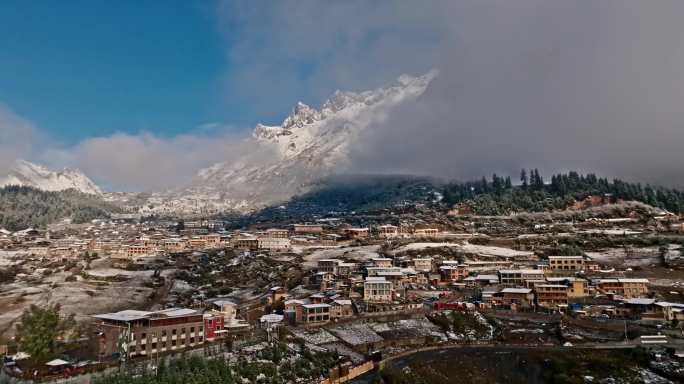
249 243
426 232
566 263
577 287
341 309
422 264
551 295
134 333
308 228
522 297
275 244
328 265
628 288
316 313
357 233
377 290
294 311
453 272
388 231
518 277
277 233
382 262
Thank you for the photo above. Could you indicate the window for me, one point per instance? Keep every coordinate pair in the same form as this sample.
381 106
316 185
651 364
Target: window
173 331
163 333
192 329
173 343
143 336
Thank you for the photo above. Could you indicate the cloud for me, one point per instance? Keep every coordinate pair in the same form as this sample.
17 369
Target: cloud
149 162
594 86
17 137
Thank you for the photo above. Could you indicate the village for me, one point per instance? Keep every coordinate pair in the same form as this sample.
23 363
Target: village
357 287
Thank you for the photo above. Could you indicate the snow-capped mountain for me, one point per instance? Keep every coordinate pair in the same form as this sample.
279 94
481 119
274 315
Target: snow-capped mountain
290 158
32 175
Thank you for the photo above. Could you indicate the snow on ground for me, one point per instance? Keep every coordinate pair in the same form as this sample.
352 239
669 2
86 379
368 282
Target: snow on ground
343 350
480 250
420 246
489 251
356 334
112 272
362 253
630 257
9 258
317 337
611 232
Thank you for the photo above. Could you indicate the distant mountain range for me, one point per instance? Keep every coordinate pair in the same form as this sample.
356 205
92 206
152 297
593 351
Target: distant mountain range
288 160
24 173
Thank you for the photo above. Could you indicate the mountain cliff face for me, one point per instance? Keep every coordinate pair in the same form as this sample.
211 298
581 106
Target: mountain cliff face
291 158
24 173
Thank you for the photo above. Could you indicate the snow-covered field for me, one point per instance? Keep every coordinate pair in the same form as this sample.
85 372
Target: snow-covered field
630 257
362 253
479 250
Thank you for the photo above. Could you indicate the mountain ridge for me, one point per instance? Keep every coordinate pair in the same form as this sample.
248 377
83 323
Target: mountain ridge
25 173
289 159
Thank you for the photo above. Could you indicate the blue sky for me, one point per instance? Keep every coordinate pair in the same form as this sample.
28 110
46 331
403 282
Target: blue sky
80 69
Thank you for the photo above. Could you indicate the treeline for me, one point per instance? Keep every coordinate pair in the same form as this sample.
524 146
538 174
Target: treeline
23 207
498 195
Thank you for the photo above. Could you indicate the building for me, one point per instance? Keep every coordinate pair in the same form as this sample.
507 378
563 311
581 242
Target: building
277 294
522 297
519 277
377 290
628 288
248 243
308 228
357 233
382 262
275 244
213 326
451 273
551 295
426 232
328 265
294 311
422 265
388 231
132 333
566 263
341 309
316 313
577 288
277 233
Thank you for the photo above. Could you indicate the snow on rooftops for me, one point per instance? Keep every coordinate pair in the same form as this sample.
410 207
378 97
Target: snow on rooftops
375 279
640 301
131 315
516 290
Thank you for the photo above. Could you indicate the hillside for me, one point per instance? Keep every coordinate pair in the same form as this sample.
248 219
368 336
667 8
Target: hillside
497 196
344 194
23 207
